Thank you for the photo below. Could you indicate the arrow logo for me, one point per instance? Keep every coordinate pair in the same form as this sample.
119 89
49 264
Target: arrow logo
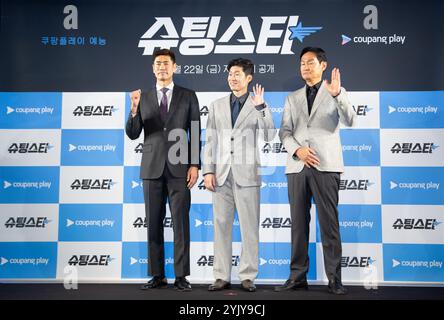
263 185
9 110
3 261
345 39
6 184
72 147
393 185
395 263
69 222
197 222
299 32
133 261
391 109
134 184
262 261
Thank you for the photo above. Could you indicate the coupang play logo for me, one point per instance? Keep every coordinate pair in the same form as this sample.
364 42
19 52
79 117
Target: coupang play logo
204 35
370 22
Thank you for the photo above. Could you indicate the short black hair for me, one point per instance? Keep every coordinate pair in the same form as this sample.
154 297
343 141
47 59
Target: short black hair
246 64
164 52
320 53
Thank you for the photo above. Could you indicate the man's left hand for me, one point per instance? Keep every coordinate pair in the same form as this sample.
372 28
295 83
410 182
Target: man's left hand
334 88
192 176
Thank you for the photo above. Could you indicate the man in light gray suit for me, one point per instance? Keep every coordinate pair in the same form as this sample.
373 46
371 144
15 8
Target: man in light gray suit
231 172
310 134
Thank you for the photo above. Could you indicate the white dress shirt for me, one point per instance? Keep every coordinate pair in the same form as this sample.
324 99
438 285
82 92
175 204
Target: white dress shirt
169 93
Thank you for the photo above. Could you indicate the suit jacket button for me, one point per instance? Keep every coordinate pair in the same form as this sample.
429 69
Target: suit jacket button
232 138
231 152
164 129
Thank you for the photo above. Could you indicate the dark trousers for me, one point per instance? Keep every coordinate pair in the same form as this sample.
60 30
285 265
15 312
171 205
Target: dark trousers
156 194
324 187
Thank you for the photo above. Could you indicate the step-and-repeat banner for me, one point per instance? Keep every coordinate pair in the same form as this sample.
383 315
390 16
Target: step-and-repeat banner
71 200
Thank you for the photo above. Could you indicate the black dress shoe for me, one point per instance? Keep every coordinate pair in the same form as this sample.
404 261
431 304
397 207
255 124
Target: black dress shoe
155 282
182 284
336 287
292 284
248 285
218 285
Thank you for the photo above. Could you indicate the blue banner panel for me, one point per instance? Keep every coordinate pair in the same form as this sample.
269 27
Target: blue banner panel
413 262
135 260
201 224
274 261
412 109
28 260
133 188
274 187
360 147
30 110
92 147
29 184
412 185
358 224
90 222
276 103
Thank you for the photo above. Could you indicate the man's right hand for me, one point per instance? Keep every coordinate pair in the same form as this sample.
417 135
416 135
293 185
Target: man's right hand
308 156
210 181
135 100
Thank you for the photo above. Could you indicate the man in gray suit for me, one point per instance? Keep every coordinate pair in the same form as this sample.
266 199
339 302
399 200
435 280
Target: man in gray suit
310 134
231 165
168 114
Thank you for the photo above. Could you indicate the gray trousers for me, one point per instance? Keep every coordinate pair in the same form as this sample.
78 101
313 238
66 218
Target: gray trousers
226 199
324 188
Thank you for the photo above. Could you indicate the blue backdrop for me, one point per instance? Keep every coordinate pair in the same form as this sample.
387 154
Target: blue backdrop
70 193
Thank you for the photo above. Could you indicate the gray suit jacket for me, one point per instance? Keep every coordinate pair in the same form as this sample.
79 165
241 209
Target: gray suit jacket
183 114
319 131
235 148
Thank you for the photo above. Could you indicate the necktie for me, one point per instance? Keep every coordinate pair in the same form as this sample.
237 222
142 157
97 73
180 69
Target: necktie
311 97
235 111
164 104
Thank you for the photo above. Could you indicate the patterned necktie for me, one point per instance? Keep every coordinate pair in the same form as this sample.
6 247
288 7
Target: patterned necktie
164 104
235 111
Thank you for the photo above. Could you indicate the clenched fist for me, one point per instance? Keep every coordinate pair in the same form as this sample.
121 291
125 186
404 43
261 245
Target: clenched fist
135 100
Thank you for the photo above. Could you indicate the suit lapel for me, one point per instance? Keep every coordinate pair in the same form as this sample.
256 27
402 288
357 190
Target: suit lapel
174 102
321 95
152 100
226 111
152 97
246 109
304 103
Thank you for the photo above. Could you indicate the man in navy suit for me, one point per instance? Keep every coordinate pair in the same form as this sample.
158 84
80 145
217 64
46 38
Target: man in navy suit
170 118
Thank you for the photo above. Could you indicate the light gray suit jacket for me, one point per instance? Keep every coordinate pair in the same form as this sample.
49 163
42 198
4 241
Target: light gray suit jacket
319 131
235 148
